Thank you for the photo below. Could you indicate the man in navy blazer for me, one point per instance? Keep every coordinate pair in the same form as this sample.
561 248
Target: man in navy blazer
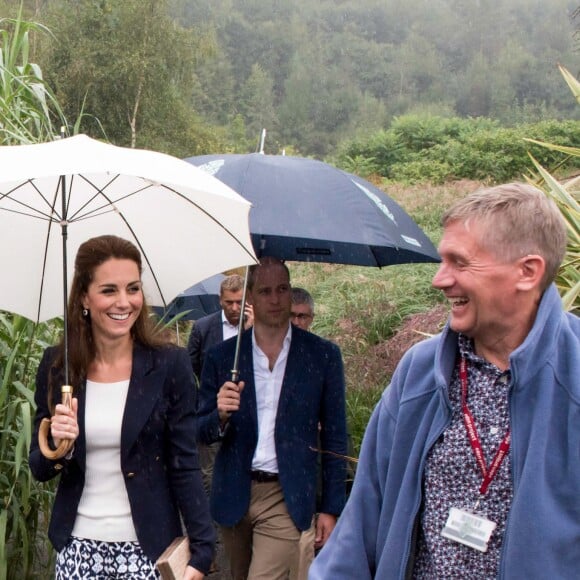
206 332
265 475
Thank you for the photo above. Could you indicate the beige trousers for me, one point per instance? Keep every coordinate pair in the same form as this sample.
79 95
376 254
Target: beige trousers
305 555
263 545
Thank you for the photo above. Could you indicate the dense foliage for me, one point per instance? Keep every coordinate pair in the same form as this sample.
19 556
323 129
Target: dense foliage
131 67
419 148
28 110
567 195
328 69
24 547
193 76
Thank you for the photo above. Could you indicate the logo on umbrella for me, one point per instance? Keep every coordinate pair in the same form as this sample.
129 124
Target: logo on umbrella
377 201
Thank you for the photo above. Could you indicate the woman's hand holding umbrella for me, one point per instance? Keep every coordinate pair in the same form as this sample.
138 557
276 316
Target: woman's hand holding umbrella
63 430
63 424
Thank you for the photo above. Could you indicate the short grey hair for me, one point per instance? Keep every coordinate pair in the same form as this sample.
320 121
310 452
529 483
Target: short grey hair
518 219
302 296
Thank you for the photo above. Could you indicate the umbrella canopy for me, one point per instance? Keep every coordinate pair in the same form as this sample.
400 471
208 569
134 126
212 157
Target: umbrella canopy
307 210
199 300
78 188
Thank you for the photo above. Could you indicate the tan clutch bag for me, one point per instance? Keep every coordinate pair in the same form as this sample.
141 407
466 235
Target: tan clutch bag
173 562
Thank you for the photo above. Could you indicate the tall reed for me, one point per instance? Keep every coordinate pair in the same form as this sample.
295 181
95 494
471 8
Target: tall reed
24 549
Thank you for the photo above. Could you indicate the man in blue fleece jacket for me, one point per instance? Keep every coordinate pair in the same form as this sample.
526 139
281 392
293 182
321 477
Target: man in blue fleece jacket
470 465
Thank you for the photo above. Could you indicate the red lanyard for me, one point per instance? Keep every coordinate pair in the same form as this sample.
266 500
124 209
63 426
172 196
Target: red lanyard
488 474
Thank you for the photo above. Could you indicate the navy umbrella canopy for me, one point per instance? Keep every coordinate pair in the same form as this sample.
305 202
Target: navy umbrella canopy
306 210
198 301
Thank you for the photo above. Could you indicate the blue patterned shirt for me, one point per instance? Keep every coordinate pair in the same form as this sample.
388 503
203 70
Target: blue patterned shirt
452 476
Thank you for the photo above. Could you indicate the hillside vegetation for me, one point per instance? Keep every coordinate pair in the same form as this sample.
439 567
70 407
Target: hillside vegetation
201 76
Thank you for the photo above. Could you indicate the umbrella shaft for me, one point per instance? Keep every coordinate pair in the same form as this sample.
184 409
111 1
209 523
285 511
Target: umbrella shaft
235 370
64 231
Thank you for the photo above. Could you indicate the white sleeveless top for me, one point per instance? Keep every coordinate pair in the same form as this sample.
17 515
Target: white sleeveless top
104 512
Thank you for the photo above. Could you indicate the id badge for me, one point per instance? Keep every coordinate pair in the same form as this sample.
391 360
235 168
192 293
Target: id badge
469 529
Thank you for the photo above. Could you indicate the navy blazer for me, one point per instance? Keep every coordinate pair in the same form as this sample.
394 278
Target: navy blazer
206 332
313 392
158 455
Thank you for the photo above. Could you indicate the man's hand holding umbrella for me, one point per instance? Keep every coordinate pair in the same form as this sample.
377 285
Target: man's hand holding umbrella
228 400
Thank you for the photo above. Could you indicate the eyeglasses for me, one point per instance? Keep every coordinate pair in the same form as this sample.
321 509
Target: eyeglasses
301 315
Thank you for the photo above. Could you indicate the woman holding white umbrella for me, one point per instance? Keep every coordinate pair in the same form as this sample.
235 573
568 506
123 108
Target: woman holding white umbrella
132 474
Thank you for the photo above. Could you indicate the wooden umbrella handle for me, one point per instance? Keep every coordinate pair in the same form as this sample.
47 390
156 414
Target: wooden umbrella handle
44 431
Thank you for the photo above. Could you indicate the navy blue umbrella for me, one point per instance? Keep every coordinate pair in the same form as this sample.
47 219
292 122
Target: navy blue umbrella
306 210
199 300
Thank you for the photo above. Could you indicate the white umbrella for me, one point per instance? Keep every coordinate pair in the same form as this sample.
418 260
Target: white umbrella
54 196
187 224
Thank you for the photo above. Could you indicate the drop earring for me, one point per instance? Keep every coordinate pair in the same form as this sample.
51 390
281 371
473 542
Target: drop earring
85 312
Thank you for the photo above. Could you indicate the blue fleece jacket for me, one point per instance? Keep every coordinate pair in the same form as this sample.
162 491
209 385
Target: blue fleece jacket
374 535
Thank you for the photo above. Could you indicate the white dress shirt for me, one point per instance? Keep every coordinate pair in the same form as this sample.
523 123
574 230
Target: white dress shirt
228 329
268 387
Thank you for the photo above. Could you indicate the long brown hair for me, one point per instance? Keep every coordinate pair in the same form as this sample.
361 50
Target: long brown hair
81 348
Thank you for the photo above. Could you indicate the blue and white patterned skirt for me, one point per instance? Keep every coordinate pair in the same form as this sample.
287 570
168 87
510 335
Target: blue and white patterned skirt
83 559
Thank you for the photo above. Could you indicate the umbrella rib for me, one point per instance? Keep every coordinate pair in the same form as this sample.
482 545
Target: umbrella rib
107 207
42 278
146 257
144 253
98 191
37 213
37 217
136 240
211 217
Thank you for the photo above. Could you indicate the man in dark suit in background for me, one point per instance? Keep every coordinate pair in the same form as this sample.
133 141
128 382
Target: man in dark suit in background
205 334
264 486
219 326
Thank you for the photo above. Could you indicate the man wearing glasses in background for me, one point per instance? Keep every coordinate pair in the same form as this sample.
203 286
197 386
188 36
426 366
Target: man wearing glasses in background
302 310
302 315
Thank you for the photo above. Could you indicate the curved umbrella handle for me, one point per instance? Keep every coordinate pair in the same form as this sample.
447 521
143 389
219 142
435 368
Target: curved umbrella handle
44 431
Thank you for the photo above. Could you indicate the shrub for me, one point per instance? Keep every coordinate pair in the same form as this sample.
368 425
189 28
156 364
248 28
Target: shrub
432 149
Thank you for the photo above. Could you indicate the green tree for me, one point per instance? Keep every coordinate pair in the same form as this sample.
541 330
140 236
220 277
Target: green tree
214 95
131 66
256 103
